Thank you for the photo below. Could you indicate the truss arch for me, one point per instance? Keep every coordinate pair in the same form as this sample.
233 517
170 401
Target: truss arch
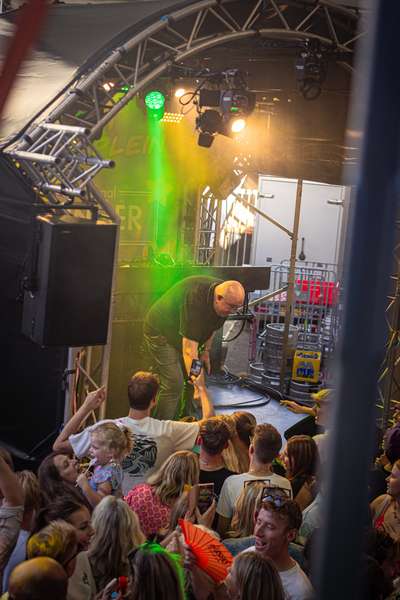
180 36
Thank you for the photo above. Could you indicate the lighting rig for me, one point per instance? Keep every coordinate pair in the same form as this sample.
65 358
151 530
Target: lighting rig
222 100
310 71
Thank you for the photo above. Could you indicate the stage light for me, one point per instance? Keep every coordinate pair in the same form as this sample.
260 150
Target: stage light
231 124
231 100
179 93
310 89
310 71
154 102
208 123
238 125
172 118
108 86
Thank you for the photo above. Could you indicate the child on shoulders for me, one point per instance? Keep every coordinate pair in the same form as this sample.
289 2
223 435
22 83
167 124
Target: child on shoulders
109 444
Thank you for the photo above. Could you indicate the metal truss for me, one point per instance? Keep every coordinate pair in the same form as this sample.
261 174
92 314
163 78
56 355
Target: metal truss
209 211
171 41
56 160
208 214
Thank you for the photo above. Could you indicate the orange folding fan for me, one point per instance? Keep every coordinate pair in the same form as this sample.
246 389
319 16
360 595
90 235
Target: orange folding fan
212 557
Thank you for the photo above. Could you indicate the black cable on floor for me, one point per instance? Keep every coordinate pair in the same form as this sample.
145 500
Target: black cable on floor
224 378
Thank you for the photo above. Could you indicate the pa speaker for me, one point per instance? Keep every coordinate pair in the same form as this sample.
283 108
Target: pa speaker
70 302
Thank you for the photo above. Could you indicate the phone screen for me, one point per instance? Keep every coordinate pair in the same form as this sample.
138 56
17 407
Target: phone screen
206 494
195 369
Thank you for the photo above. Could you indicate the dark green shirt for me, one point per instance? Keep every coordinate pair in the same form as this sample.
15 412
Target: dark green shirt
186 310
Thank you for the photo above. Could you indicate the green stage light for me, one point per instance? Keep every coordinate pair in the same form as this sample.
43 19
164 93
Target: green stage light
154 100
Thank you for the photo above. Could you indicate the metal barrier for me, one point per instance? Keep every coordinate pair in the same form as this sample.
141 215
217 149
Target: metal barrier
314 309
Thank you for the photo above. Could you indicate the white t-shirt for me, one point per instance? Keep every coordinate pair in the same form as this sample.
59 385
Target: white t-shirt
295 582
323 445
81 584
234 484
154 441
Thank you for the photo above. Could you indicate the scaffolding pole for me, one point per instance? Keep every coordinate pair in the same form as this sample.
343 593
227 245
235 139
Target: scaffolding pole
289 294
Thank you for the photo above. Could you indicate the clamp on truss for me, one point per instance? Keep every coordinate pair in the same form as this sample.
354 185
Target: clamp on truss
56 160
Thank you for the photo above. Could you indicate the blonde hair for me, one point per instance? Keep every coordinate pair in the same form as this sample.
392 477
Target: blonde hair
324 396
30 484
114 437
180 469
178 511
58 540
243 522
256 577
233 457
117 532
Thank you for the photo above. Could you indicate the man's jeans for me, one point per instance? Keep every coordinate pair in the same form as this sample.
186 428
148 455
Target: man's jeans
171 402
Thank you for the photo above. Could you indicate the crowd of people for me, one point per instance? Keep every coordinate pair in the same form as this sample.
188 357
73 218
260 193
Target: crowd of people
106 515
70 531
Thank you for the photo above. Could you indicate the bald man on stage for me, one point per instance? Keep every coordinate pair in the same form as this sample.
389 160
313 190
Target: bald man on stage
180 327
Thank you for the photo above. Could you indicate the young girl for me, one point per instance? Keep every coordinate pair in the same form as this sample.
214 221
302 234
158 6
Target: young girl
109 443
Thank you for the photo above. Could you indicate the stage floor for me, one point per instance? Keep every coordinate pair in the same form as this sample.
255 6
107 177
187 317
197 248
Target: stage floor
230 398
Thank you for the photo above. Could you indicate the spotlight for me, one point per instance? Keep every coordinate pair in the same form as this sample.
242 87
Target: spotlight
310 89
155 101
231 124
310 72
179 93
238 125
208 123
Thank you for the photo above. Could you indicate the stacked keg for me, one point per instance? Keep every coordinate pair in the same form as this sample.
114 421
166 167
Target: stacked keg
301 391
268 372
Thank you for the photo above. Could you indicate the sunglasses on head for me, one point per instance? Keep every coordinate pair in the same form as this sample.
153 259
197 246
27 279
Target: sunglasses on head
273 493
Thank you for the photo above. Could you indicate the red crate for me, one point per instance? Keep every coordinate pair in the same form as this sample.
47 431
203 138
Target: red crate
332 289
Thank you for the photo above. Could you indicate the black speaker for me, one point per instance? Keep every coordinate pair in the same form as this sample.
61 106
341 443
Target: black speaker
70 303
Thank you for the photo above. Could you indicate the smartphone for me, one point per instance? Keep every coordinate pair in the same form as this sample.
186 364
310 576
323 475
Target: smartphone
195 369
206 495
109 587
200 495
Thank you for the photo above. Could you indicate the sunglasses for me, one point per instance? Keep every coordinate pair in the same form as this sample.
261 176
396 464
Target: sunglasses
272 492
78 551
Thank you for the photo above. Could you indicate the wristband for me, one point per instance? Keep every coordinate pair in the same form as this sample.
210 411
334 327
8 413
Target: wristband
206 350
